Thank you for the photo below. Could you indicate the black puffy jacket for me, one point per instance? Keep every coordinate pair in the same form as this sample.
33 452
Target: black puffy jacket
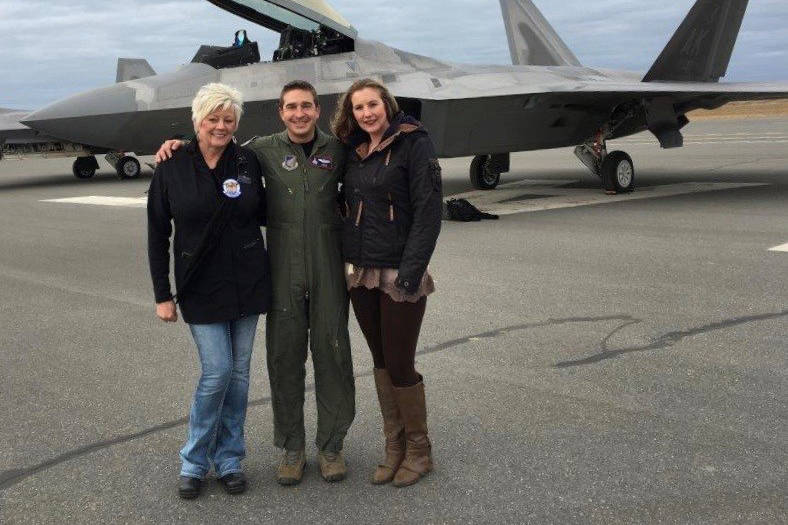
393 201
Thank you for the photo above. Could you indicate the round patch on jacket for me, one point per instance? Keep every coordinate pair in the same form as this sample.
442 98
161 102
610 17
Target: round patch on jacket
231 188
290 163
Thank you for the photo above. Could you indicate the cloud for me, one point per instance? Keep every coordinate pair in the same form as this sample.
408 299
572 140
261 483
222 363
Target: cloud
54 49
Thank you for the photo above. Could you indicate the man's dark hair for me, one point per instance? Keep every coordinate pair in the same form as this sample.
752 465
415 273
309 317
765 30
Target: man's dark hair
298 84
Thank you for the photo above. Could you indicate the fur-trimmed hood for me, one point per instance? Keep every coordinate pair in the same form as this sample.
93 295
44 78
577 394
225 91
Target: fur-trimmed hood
401 124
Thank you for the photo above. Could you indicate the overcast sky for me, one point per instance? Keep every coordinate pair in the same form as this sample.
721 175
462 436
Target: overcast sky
55 48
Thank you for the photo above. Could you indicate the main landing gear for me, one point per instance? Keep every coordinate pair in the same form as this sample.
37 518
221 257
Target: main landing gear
486 170
615 168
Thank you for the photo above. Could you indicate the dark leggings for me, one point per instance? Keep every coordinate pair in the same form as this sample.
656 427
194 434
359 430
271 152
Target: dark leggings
391 330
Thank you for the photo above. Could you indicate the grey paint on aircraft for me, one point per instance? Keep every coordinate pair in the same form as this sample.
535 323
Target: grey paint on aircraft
132 69
469 109
11 128
701 48
532 40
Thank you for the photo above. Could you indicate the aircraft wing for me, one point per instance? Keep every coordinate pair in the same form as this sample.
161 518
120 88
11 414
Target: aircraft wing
498 81
494 113
14 135
10 127
18 139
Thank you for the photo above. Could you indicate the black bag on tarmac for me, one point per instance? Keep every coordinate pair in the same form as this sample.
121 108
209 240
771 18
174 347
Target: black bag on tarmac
464 211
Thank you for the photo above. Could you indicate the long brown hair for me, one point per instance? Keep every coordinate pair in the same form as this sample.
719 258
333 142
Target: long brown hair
344 123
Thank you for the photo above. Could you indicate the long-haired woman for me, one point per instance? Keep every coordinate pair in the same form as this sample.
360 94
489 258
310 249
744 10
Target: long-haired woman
392 193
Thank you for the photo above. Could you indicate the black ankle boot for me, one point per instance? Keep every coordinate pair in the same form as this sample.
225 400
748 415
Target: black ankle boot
234 483
189 488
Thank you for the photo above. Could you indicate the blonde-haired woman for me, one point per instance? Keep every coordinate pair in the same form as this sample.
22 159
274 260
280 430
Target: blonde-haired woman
392 192
212 191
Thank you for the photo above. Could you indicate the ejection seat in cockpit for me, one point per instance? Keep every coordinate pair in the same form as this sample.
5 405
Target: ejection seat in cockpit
242 52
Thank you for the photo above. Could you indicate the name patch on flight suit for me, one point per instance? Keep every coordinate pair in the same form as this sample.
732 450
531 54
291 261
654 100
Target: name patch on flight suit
324 161
244 179
290 163
231 188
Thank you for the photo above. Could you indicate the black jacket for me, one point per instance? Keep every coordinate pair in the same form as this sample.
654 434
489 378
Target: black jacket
393 201
233 279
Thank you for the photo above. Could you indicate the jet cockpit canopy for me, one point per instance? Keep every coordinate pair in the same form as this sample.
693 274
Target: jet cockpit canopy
306 27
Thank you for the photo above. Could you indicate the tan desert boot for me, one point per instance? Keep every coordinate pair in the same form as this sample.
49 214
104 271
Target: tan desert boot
332 466
418 454
393 429
291 467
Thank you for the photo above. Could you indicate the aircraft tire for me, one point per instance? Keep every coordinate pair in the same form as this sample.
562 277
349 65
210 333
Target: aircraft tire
84 167
481 177
128 168
618 172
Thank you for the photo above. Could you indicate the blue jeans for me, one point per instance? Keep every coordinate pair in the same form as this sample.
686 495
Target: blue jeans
216 420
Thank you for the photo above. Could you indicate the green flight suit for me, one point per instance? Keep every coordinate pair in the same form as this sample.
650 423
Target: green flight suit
310 299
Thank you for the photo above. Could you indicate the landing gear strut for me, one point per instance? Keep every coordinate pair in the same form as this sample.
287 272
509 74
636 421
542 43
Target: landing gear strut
486 170
85 167
616 168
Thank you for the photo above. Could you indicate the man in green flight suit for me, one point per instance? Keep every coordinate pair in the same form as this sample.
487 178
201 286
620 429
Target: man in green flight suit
302 167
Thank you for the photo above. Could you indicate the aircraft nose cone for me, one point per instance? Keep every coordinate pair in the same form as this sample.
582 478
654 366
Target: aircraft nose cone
83 118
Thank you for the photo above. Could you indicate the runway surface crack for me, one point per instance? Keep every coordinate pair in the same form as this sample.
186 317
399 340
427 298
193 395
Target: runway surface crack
666 340
11 477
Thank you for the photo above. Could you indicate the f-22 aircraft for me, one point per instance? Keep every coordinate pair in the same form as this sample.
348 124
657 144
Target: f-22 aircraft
546 99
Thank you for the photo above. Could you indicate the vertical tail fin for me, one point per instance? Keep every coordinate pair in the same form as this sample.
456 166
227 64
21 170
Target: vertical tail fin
701 48
132 69
532 40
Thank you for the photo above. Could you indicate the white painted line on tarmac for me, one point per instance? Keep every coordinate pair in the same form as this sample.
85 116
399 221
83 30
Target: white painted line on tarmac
97 200
765 140
530 196
781 248
733 136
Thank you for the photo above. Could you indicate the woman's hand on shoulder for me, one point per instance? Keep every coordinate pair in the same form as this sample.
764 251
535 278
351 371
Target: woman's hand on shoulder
166 311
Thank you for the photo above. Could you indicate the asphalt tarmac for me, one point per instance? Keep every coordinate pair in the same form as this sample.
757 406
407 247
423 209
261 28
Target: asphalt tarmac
610 362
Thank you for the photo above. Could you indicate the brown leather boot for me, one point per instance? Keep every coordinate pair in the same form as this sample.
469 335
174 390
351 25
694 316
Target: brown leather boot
418 454
393 429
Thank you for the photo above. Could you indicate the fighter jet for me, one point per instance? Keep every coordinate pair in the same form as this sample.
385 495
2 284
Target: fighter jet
546 99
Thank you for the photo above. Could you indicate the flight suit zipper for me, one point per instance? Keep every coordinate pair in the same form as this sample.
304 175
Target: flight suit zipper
304 233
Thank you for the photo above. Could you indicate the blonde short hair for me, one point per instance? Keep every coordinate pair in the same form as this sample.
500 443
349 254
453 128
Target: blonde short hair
214 97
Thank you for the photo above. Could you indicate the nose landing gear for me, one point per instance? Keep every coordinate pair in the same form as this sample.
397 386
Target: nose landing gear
127 167
85 167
